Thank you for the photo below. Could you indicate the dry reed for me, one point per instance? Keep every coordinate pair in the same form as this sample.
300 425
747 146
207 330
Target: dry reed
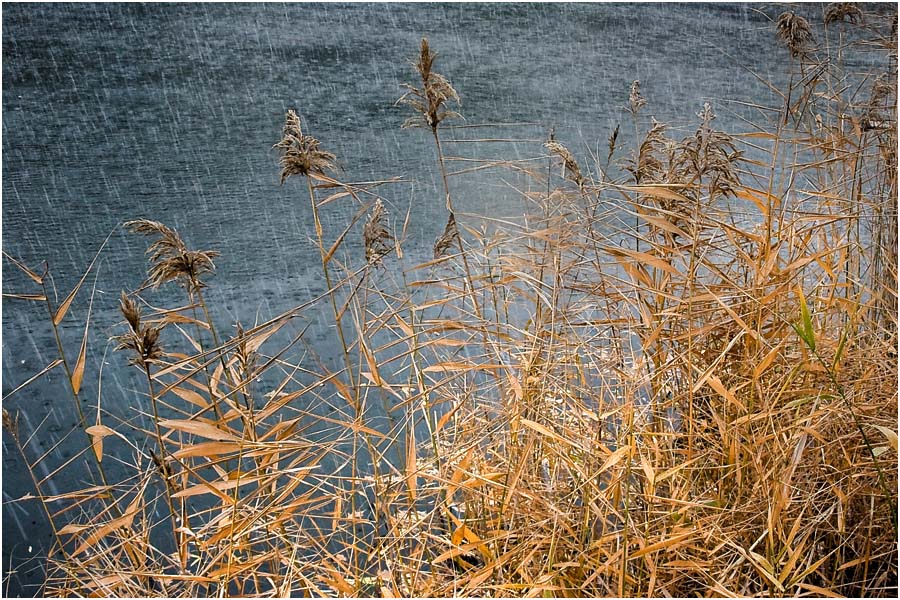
711 411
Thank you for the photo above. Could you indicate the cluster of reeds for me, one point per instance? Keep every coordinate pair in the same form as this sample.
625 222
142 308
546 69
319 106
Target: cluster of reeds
703 404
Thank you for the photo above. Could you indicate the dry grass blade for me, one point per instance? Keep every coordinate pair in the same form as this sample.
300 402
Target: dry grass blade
38 279
63 308
679 380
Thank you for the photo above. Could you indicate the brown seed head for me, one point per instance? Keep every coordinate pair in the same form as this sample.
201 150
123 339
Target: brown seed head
131 311
430 99
448 238
647 165
635 101
143 345
170 259
300 154
376 237
570 165
11 424
794 32
611 141
843 11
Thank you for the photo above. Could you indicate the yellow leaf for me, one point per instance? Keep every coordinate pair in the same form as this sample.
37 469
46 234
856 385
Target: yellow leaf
766 362
190 396
544 431
460 366
201 428
662 544
38 279
64 307
614 458
659 191
207 449
97 433
411 480
890 434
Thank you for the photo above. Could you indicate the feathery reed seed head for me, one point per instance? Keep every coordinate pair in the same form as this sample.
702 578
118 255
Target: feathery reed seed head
794 32
376 236
710 155
611 142
11 424
570 165
170 259
131 311
843 11
635 100
647 165
448 238
300 154
429 100
141 340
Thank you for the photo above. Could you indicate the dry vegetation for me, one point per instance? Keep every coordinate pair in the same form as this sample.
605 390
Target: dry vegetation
701 402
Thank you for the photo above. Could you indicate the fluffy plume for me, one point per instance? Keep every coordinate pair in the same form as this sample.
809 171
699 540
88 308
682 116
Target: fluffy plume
430 99
300 154
794 32
376 236
635 101
141 340
170 259
448 238
569 164
843 11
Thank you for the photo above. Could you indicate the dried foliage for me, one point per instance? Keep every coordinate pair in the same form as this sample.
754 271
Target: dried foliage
839 12
794 32
300 154
710 412
377 238
170 259
430 100
570 165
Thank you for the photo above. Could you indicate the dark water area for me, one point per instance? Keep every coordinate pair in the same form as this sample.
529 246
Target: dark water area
114 112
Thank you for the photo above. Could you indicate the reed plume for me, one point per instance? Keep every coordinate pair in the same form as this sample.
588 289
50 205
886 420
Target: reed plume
140 339
709 155
794 32
448 239
646 165
570 165
170 259
11 424
635 100
377 238
300 154
430 99
839 12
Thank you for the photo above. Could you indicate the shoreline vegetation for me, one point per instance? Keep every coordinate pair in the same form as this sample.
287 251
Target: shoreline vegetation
676 376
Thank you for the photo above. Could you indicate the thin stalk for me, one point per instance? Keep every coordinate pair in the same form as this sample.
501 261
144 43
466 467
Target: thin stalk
177 537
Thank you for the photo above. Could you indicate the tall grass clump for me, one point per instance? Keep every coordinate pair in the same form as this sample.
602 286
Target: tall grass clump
675 376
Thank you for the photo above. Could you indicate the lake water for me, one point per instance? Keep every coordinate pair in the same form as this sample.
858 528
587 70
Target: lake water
114 112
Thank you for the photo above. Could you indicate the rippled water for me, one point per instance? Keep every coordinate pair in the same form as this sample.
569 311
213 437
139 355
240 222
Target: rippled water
115 112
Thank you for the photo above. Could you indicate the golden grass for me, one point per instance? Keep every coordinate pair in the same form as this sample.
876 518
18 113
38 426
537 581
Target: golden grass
703 404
